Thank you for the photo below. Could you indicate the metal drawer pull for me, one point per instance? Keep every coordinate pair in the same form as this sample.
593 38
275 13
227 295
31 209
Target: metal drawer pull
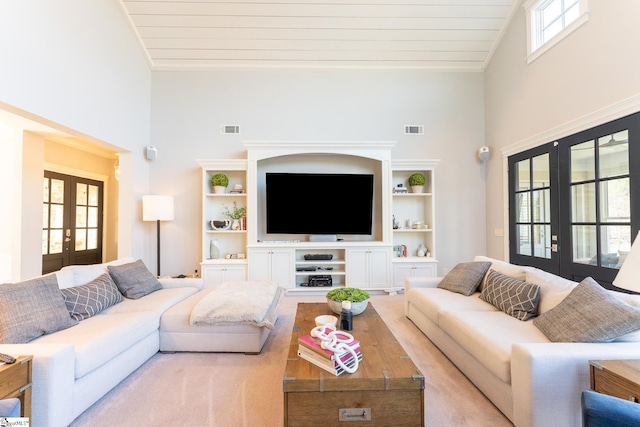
354 414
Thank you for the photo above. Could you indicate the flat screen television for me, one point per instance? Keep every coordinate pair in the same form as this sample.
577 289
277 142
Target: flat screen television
319 203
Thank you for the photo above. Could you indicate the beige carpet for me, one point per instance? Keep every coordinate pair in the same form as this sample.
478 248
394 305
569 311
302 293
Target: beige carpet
225 389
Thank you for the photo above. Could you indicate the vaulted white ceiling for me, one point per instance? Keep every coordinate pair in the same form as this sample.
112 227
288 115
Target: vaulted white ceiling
424 34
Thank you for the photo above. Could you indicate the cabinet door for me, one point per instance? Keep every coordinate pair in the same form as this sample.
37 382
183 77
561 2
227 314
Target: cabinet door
235 273
212 275
357 271
259 264
378 265
282 267
272 264
404 270
216 274
400 272
368 268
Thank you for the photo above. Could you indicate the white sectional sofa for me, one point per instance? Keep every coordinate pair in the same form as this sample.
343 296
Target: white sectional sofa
74 367
534 382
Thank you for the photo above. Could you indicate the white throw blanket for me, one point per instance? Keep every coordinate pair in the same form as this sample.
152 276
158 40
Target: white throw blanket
252 303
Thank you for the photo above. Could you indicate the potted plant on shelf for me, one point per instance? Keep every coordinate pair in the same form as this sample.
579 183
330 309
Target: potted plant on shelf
416 182
235 215
359 299
219 182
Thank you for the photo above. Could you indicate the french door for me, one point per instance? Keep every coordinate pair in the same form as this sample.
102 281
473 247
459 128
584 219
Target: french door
574 204
534 216
72 221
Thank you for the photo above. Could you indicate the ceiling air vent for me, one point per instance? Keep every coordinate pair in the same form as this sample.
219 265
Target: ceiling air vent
229 129
414 130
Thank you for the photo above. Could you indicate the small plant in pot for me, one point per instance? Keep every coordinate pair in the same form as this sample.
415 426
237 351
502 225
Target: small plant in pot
219 182
235 215
359 299
416 182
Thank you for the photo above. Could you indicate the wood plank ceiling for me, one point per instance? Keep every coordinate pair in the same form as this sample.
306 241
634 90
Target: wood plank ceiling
422 34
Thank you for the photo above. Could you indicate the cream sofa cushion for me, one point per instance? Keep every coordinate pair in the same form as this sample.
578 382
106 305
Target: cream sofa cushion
553 289
99 339
76 275
431 301
158 301
489 335
503 267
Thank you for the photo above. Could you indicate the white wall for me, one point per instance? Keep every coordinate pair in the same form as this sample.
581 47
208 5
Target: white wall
588 78
76 66
319 105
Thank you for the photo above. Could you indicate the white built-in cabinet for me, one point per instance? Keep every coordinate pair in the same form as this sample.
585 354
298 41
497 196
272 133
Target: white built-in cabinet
414 225
231 263
371 262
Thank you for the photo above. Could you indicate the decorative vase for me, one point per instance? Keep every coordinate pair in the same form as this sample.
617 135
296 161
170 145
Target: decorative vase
356 307
417 188
218 189
235 224
422 250
214 250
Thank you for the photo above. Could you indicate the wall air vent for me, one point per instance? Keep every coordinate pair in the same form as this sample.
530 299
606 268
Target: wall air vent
229 129
414 130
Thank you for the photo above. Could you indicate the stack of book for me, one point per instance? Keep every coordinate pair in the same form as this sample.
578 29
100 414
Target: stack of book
309 349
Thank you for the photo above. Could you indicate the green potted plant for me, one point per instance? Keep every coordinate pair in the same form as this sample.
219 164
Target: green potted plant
359 299
219 182
235 215
416 182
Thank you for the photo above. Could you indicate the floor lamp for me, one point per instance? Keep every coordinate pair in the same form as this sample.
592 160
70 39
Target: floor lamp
629 275
157 208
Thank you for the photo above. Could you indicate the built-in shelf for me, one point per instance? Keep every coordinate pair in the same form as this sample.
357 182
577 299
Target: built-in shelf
367 262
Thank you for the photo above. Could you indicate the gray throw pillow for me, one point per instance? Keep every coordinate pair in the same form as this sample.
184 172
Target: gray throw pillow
588 314
134 279
515 297
90 299
32 308
465 277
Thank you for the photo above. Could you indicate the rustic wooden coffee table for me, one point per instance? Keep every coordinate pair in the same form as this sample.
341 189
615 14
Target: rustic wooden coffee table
387 389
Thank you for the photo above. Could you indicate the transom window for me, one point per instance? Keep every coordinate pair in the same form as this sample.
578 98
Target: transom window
549 21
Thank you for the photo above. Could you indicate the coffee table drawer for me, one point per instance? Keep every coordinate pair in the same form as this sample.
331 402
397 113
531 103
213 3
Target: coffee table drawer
397 408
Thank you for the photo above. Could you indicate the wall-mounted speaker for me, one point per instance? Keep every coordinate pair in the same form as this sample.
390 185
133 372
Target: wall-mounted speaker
484 153
151 152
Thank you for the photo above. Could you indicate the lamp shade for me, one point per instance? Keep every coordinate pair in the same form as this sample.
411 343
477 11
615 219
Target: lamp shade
157 208
629 275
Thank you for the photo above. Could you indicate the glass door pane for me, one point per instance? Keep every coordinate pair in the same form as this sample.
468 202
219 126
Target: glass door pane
532 184
599 199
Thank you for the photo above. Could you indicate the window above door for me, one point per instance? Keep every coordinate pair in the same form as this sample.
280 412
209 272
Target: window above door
550 21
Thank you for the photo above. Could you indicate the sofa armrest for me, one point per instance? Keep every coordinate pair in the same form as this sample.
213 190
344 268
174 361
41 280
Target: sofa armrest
53 378
547 379
171 282
421 282
418 282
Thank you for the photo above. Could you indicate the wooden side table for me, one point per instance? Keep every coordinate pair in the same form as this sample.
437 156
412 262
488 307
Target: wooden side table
619 378
15 381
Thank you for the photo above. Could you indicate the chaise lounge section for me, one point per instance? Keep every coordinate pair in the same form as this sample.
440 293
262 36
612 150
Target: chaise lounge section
75 366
